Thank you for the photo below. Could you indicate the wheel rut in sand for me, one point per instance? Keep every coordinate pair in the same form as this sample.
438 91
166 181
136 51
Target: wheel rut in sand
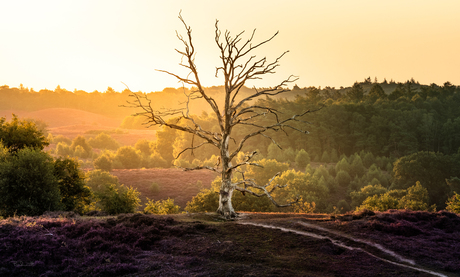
348 242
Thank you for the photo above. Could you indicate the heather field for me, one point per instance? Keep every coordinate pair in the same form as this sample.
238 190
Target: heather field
173 183
203 245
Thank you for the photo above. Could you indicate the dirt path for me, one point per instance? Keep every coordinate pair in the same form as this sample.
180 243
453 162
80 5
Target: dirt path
348 242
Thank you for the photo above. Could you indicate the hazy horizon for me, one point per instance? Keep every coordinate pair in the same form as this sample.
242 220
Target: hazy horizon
92 45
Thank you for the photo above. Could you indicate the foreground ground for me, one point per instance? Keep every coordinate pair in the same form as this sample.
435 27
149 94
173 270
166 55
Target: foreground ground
409 244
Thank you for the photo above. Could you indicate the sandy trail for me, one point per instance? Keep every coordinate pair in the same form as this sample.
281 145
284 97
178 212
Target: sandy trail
407 263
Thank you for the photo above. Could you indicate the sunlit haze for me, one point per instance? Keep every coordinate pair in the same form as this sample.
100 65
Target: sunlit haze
92 45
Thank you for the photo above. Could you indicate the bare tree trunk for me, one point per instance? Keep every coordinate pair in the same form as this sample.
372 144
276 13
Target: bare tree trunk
239 65
226 189
225 200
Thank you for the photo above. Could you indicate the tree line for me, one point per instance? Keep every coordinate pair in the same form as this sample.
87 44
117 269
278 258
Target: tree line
403 133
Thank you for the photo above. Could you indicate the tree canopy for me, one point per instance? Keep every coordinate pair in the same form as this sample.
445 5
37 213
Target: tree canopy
18 134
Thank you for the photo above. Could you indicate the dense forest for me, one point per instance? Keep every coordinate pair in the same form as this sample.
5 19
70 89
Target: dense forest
375 145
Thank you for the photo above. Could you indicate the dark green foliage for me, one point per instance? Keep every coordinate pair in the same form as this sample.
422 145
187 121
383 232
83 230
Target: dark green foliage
19 134
334 156
368 159
109 195
356 93
325 158
357 168
75 195
376 92
28 185
368 191
343 165
431 169
116 199
343 178
343 206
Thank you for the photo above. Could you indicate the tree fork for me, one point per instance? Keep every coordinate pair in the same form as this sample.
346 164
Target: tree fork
239 65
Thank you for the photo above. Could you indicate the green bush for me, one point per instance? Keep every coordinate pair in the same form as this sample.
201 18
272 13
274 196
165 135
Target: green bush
128 157
75 195
453 203
414 198
81 147
64 150
379 203
155 188
205 201
343 206
103 162
116 199
161 207
19 134
357 197
28 185
103 141
109 195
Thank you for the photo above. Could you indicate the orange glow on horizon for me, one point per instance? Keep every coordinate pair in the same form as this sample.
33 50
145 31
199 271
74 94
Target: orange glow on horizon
92 45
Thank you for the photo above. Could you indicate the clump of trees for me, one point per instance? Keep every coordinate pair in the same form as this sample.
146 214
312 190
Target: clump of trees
31 181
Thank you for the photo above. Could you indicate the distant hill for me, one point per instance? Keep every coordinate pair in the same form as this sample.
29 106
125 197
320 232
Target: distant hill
58 117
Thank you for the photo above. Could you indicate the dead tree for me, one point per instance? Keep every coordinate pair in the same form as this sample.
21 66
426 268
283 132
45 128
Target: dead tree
239 65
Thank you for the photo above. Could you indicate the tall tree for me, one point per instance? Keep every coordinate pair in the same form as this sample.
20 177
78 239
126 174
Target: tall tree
356 93
239 110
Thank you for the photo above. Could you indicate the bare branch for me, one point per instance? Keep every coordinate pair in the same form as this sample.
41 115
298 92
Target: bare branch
201 167
238 65
265 191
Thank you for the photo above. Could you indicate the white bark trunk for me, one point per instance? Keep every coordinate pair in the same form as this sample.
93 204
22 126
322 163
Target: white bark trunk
225 200
226 188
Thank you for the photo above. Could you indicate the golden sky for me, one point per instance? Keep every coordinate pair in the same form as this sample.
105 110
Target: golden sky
91 45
